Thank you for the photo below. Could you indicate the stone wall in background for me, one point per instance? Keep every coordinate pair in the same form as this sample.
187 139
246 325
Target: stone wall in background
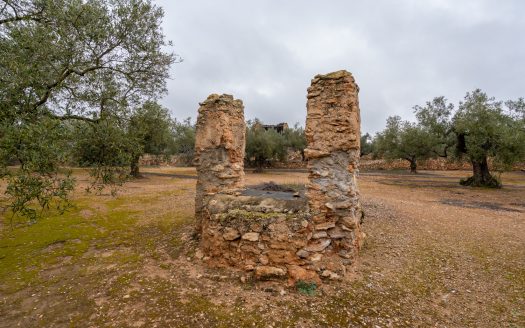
219 149
365 163
434 164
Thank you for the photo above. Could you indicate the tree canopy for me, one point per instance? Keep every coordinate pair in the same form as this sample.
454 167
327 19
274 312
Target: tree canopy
263 145
151 127
367 146
266 145
94 61
183 142
479 129
405 140
484 130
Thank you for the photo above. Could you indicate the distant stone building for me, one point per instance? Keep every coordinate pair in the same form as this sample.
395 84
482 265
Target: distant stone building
279 128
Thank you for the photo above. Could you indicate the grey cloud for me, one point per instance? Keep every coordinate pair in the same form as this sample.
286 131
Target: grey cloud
402 53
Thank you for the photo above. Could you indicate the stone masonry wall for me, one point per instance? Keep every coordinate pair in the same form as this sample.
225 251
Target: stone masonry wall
272 234
333 136
262 236
219 149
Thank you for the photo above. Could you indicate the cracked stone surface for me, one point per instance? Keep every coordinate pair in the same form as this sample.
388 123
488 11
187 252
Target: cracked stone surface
332 132
219 149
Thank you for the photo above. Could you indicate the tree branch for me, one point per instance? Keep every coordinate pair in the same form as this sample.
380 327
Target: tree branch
73 117
30 17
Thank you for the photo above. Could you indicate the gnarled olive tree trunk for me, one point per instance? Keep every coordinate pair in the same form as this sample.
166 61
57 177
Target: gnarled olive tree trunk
413 163
481 176
134 167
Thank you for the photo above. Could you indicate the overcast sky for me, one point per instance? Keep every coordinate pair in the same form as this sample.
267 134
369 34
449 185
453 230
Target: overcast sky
401 53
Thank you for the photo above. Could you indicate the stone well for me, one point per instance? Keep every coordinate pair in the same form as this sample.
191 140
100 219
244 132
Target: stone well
282 234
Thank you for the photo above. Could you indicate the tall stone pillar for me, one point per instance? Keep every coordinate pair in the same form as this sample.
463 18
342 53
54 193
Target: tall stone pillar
219 150
333 136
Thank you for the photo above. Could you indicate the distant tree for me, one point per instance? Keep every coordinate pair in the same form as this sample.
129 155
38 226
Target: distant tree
434 117
150 126
483 130
516 109
404 140
479 129
263 145
183 140
366 144
295 139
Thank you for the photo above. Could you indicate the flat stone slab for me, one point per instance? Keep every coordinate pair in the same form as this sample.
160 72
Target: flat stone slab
284 195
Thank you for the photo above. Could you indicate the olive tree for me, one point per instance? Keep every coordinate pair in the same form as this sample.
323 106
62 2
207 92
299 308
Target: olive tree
67 60
434 117
150 126
106 148
183 140
404 140
484 130
367 146
516 109
263 145
479 129
295 139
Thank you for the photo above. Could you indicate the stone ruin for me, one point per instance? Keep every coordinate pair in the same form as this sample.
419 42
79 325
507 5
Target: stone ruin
281 234
219 151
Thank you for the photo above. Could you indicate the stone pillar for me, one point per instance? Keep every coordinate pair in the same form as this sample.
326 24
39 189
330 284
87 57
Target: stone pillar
219 150
333 136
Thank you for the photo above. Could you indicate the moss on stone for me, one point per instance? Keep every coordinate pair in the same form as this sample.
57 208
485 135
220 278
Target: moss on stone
239 214
334 75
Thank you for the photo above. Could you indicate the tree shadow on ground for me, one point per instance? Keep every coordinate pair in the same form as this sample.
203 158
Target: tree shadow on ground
478 204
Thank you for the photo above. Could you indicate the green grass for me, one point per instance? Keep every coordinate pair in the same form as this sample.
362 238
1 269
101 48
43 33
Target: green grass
26 250
306 288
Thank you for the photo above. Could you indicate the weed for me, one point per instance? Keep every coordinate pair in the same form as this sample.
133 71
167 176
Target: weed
306 288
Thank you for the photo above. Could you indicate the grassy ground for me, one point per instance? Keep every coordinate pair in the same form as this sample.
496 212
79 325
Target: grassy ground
437 254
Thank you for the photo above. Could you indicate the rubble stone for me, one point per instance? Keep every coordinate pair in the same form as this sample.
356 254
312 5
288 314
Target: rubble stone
219 149
318 245
297 273
231 234
268 272
332 132
251 236
302 237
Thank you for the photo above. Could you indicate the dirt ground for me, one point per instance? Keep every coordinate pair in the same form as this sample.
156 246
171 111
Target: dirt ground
437 255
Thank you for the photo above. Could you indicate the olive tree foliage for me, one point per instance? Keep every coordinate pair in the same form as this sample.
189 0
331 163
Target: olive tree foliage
295 139
484 130
183 140
367 145
38 180
70 60
404 140
516 109
150 127
434 117
479 129
112 147
106 148
263 145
